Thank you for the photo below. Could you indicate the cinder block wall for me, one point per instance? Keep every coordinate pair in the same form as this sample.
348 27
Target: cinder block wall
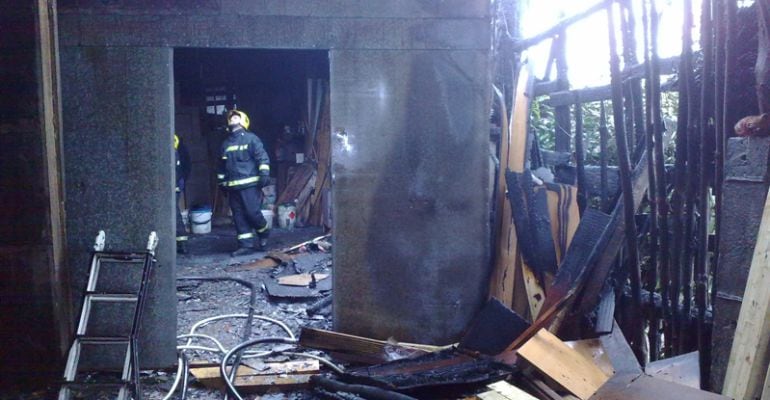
410 89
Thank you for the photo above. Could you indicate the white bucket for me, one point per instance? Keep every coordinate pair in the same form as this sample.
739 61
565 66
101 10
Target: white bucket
268 214
200 220
287 215
185 218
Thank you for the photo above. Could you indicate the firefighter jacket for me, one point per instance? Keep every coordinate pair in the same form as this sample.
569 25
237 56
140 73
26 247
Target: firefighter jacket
182 157
244 161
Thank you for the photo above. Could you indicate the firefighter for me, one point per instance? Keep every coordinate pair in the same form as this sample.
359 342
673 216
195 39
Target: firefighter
244 170
182 171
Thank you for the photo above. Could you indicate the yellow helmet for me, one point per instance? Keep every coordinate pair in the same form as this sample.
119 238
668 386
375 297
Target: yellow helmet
176 141
244 117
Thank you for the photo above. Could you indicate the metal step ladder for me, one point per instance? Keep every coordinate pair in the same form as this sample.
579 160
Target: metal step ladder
107 333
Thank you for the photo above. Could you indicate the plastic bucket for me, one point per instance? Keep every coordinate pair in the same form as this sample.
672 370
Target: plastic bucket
287 215
185 218
268 214
200 220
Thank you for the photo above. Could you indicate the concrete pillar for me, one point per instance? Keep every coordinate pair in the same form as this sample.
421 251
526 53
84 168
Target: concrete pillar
411 206
118 152
745 188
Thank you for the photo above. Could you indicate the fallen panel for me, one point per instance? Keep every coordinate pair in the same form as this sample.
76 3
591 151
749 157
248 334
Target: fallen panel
684 369
444 368
564 365
301 279
646 387
619 352
581 252
275 289
532 222
493 328
592 349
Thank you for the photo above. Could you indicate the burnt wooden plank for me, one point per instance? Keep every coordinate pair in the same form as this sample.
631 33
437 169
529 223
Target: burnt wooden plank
579 254
565 365
493 328
532 222
611 242
358 348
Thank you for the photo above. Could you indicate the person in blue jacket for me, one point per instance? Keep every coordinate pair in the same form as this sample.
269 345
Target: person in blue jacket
244 170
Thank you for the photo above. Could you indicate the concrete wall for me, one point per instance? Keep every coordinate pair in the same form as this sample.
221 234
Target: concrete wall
745 189
118 124
410 87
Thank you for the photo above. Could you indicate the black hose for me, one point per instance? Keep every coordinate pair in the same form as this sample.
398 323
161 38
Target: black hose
229 386
318 305
369 392
249 317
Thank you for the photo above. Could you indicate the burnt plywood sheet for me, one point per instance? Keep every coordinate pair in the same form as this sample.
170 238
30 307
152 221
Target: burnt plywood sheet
493 329
645 387
570 368
275 289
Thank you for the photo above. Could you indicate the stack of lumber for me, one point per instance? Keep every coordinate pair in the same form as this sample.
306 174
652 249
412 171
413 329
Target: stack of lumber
299 190
309 187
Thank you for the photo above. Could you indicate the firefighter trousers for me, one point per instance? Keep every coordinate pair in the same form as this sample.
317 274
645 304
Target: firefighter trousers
246 205
181 230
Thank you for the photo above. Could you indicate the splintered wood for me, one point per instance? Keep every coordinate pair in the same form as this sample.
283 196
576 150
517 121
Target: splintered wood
512 156
281 376
301 279
568 367
504 391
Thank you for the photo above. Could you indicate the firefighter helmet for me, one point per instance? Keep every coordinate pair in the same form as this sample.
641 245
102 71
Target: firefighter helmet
244 117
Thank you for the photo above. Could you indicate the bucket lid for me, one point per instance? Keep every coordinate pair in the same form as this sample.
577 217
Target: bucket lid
199 209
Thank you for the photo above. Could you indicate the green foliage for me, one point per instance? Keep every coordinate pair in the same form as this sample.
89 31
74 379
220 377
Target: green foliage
543 123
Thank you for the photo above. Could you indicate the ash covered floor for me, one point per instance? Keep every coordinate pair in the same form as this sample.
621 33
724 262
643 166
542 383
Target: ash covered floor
198 300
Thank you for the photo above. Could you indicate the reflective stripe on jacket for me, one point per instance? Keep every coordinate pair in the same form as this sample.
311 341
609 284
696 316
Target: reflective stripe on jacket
243 159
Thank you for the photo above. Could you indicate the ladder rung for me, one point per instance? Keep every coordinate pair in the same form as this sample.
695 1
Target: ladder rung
103 296
117 257
124 389
98 340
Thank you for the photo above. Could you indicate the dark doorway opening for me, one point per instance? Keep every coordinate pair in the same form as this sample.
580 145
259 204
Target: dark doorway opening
285 95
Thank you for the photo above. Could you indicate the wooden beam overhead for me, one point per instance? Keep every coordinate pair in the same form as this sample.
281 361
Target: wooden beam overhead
524 44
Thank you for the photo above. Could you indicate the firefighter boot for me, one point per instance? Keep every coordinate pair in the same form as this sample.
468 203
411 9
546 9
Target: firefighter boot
243 251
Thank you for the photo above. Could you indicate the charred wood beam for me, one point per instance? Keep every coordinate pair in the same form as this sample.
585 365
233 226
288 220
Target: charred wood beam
563 126
668 66
603 138
661 189
678 194
656 257
624 162
610 243
369 392
559 27
598 93
582 198
702 265
691 186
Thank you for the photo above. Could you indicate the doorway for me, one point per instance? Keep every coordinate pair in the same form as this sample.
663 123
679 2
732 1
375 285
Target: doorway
285 93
